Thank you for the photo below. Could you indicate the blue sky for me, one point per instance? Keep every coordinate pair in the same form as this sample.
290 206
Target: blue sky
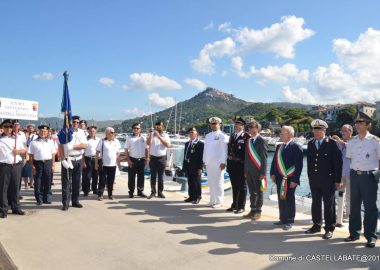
128 58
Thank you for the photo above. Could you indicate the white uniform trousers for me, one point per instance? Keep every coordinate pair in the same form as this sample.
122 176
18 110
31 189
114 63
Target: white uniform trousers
344 201
215 178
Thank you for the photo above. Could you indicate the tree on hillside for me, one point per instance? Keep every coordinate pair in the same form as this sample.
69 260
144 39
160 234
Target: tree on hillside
346 116
273 115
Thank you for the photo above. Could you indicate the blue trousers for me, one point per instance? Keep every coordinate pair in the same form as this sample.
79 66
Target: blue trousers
42 180
363 189
71 183
287 207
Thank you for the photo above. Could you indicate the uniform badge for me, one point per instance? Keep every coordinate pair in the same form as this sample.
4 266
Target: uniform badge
240 141
367 156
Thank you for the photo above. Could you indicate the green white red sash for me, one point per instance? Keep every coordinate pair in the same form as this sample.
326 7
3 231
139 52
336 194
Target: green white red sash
284 172
256 160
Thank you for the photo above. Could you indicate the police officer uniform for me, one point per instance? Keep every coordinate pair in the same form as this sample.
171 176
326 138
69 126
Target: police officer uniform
192 166
324 168
365 157
10 170
42 152
235 167
90 175
215 154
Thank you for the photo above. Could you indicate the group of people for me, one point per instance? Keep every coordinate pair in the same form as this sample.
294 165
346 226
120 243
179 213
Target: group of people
349 165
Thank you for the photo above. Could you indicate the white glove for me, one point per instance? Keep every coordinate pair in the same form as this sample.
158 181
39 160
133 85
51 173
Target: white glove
70 163
65 164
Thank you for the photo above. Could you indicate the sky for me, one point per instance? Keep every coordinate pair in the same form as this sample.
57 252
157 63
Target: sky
130 58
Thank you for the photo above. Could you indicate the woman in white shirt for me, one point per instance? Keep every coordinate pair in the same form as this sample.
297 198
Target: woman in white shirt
106 160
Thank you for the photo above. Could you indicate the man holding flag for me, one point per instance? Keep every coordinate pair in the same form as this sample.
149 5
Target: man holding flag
72 144
285 172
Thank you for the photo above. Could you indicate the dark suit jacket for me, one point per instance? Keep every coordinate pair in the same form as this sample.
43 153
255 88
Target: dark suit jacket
236 150
261 148
194 157
324 166
292 155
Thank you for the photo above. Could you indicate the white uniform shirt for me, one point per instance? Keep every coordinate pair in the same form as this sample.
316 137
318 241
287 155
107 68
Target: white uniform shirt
91 147
7 144
215 149
136 146
32 137
157 149
365 153
78 138
42 149
109 152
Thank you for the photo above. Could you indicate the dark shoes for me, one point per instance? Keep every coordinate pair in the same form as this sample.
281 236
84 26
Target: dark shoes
231 209
351 238
239 211
256 216
152 195
249 215
2 215
189 200
77 205
18 212
131 196
371 243
278 223
314 229
65 208
327 235
39 203
141 194
161 195
110 197
47 202
196 201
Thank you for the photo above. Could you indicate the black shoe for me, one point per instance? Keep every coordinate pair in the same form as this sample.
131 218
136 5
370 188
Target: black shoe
110 197
239 211
39 203
327 235
131 196
338 225
85 194
189 200
2 215
141 194
21 197
95 192
278 223
231 209
152 195
77 205
314 229
161 195
65 208
371 243
351 238
47 202
196 201
18 212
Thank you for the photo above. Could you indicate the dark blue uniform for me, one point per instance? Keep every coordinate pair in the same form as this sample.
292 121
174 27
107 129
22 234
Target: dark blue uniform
235 168
324 169
192 165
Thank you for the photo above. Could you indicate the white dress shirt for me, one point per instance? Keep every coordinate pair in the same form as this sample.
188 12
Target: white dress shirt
156 148
364 153
7 144
136 146
109 151
215 149
78 138
42 149
92 143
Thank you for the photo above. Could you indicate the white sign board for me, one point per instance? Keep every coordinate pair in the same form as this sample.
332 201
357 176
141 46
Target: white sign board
18 109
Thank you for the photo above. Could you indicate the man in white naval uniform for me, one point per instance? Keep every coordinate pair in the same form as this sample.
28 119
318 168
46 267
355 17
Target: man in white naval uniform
215 160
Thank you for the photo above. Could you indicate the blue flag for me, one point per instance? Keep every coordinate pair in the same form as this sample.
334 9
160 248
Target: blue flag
66 133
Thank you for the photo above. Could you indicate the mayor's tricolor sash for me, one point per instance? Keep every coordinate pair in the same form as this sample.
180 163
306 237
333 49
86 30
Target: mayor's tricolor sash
255 158
285 173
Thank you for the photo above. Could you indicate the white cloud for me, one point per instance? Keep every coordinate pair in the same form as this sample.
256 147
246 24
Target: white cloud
209 26
134 112
204 63
125 87
44 76
301 95
151 81
198 84
156 100
279 38
225 27
107 82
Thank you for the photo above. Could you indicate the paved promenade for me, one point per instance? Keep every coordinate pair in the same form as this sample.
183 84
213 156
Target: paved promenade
165 234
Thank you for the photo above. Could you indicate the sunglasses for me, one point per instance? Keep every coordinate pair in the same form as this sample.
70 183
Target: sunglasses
214 124
77 122
112 132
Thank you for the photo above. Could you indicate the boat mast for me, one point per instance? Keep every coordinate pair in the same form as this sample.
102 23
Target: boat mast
175 118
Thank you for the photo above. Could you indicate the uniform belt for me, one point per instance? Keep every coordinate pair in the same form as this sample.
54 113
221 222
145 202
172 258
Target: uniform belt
92 157
43 161
3 163
362 172
156 157
75 155
138 159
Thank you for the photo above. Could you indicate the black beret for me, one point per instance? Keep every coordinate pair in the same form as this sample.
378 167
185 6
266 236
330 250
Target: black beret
192 129
159 123
44 127
7 121
76 117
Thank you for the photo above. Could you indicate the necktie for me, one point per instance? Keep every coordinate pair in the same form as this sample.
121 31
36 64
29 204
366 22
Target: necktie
319 145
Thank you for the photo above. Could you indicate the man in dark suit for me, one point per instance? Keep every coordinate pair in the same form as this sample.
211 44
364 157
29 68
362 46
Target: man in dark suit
255 166
192 165
235 166
285 171
324 169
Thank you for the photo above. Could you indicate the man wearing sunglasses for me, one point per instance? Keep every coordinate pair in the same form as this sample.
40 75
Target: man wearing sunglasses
137 155
71 176
324 169
12 147
364 151
215 160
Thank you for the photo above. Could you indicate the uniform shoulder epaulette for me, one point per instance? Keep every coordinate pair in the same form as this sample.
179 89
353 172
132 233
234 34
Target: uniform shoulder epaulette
376 138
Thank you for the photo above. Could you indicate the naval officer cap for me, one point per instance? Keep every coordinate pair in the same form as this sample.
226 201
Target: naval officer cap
362 117
239 120
43 127
192 129
215 120
319 124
